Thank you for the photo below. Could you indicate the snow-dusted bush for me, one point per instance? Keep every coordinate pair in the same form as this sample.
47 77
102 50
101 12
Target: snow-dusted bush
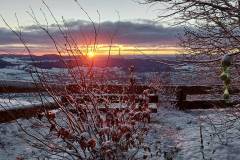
89 126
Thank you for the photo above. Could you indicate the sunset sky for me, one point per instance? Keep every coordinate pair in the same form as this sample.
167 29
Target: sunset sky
137 32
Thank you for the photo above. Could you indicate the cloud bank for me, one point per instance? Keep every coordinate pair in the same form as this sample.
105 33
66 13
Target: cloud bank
135 33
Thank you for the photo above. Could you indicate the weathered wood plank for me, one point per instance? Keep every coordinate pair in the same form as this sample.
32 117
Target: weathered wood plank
34 110
28 86
24 112
113 98
205 104
111 89
152 106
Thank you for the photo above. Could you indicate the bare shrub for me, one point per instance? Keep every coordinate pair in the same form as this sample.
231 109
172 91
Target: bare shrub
86 125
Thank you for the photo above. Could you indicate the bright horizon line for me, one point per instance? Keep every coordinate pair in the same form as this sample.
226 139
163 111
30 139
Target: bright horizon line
100 49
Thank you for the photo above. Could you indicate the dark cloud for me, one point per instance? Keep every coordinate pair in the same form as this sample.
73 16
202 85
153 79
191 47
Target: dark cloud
6 37
139 32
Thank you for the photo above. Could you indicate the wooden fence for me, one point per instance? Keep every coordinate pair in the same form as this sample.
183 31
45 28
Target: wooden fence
115 94
184 103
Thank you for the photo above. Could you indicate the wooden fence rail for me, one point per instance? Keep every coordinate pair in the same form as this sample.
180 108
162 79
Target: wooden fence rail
7 115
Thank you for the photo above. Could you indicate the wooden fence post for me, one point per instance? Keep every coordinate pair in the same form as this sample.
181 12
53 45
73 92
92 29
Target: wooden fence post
181 97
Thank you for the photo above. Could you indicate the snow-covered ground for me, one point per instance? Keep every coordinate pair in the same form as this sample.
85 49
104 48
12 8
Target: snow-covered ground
173 133
179 134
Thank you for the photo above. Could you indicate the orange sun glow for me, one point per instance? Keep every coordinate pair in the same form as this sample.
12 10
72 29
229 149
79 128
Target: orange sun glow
91 54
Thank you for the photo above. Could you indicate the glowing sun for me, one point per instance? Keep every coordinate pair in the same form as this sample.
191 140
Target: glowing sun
91 54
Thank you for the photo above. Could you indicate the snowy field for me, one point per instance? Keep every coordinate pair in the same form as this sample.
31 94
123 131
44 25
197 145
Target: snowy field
173 134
